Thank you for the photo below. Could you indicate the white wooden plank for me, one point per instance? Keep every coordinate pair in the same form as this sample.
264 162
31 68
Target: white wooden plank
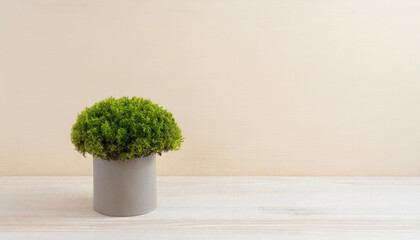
218 207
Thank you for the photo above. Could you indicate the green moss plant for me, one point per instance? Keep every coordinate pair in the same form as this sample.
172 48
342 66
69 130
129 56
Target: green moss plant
125 128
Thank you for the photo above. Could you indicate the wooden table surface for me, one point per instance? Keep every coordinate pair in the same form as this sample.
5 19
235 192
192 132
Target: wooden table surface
218 208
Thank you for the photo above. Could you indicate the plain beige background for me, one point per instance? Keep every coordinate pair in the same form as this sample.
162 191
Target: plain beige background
259 87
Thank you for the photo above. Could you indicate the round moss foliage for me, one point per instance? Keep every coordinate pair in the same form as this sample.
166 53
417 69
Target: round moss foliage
125 128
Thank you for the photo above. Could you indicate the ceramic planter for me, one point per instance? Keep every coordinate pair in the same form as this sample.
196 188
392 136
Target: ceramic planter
126 188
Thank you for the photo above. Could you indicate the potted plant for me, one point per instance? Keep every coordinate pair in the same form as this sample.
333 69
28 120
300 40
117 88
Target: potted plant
123 136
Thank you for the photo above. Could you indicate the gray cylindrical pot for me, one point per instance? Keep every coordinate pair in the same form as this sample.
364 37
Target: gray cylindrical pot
124 188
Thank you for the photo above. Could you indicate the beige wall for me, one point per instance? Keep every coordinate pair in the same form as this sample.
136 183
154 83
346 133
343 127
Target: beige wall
259 87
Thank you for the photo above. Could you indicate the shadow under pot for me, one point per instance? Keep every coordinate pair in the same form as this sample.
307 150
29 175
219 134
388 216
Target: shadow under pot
124 188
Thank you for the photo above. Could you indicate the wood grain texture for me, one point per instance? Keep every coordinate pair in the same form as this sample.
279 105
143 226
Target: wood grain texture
218 208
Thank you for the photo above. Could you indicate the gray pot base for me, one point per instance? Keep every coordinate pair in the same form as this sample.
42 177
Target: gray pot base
122 189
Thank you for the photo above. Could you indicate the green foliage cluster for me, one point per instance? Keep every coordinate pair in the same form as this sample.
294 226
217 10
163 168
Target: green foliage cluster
125 128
